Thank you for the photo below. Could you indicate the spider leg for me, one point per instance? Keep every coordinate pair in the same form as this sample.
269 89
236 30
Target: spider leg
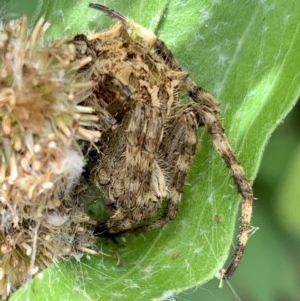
210 115
177 150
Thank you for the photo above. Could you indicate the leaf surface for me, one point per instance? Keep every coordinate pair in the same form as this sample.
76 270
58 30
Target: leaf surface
246 53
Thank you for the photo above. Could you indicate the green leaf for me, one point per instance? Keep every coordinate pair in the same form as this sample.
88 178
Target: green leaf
246 54
256 278
287 205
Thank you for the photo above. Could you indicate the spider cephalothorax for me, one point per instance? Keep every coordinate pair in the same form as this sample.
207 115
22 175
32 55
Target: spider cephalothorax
149 135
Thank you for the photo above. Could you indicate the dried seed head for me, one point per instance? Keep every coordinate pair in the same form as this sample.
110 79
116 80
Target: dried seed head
40 159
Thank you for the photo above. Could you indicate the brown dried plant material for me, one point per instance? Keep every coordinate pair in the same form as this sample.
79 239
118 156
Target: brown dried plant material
40 159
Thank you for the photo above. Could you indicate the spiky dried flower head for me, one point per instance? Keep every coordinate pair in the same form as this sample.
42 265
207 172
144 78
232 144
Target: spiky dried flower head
41 120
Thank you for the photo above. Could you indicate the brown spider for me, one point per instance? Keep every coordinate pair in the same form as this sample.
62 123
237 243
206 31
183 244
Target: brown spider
149 135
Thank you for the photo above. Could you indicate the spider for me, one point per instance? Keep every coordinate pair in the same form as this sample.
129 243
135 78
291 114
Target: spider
149 135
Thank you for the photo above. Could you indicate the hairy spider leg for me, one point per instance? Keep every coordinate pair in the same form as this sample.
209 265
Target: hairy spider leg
177 150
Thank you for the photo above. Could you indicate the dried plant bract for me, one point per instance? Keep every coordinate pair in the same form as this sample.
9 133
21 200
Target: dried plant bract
41 161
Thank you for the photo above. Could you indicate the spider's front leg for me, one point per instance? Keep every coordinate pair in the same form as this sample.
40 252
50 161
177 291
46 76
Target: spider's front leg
210 115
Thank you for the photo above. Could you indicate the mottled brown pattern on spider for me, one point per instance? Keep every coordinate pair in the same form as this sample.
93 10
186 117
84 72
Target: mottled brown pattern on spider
148 149
149 134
